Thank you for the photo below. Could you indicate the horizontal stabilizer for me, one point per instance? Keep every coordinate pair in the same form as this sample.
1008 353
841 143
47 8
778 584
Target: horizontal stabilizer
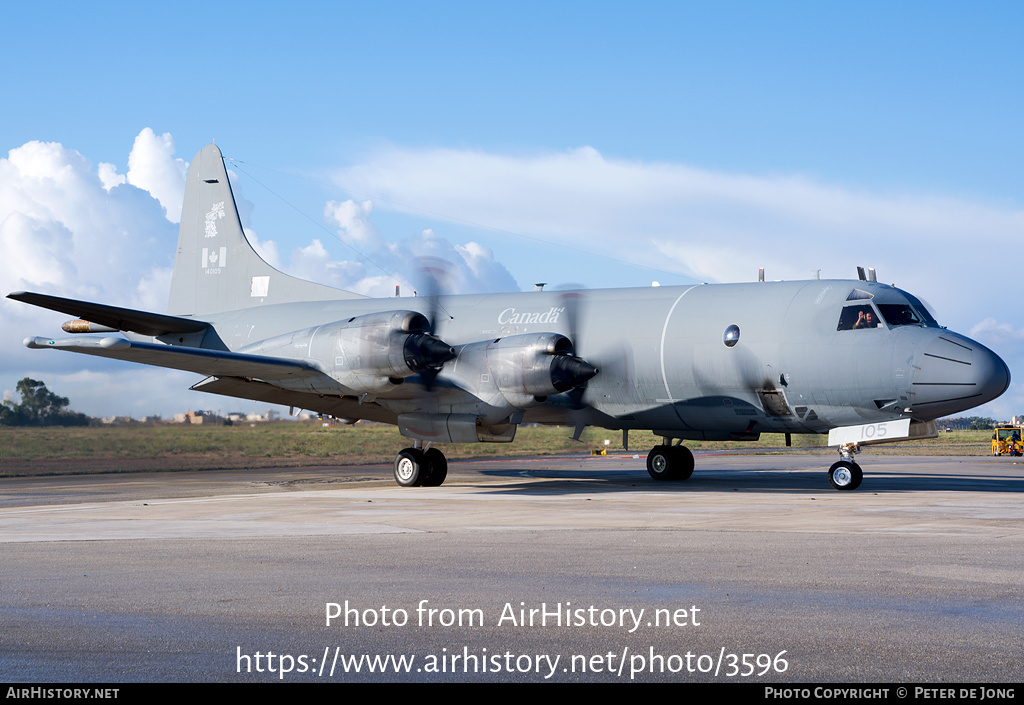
218 363
142 322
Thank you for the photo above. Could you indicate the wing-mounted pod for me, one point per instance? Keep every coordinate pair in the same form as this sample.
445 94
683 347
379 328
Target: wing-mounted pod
520 370
367 354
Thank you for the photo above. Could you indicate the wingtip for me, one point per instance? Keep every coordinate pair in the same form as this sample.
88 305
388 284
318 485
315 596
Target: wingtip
36 342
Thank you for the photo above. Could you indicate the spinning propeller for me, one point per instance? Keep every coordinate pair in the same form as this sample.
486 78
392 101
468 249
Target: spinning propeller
572 371
427 349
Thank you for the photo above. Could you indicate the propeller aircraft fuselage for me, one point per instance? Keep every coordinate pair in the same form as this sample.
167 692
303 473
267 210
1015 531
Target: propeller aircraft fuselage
860 360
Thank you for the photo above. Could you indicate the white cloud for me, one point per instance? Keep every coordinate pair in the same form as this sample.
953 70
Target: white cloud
991 329
109 176
711 226
266 249
471 268
153 168
61 229
353 220
67 230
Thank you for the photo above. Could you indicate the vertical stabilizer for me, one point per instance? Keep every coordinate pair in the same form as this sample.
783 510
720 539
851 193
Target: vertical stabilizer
216 269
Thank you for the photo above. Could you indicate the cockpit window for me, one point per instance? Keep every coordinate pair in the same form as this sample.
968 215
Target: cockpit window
922 311
857 295
856 317
899 315
909 314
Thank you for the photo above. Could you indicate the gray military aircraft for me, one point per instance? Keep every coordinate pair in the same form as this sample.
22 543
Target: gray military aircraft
860 360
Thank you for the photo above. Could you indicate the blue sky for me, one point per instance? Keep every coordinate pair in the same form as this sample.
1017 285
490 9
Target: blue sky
562 142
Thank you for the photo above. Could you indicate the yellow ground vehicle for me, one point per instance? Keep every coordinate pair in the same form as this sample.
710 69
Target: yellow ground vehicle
1006 440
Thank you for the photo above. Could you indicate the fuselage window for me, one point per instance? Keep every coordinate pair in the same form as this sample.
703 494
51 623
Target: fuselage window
856 317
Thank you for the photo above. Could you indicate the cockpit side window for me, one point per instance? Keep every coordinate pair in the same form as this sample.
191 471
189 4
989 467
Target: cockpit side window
857 317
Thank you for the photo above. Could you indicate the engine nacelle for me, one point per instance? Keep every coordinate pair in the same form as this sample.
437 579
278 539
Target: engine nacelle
519 370
364 354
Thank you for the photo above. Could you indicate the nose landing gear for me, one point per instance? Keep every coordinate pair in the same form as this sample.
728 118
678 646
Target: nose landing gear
846 475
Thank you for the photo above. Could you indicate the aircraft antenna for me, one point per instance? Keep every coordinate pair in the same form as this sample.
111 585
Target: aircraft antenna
425 211
333 235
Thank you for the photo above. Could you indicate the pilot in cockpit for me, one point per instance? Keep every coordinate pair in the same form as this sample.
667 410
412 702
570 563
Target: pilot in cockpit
865 319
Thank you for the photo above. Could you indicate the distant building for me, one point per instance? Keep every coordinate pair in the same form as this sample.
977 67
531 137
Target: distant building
197 417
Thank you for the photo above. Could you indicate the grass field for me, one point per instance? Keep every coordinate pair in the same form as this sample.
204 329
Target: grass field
63 451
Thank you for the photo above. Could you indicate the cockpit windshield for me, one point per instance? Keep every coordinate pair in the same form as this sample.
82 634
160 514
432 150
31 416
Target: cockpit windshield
922 311
895 310
899 315
912 313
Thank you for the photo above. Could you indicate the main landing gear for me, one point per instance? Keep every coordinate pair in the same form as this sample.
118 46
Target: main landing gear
669 462
415 467
846 475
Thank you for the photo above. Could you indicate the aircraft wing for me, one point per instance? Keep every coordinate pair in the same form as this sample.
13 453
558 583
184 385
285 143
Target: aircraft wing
343 407
142 322
217 363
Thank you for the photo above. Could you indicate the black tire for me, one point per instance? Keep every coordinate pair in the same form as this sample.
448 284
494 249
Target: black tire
845 476
670 463
410 466
437 466
682 463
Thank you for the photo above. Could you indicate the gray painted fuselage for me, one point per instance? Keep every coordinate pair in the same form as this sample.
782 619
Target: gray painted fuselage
664 366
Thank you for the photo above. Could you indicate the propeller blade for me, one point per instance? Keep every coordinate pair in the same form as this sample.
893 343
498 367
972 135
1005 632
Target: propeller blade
434 274
572 372
571 300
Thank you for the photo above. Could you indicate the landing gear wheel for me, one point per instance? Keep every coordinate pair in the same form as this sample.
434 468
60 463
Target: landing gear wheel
845 475
670 463
410 467
437 468
682 462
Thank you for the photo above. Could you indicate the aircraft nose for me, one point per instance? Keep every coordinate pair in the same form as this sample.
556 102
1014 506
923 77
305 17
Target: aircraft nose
954 374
